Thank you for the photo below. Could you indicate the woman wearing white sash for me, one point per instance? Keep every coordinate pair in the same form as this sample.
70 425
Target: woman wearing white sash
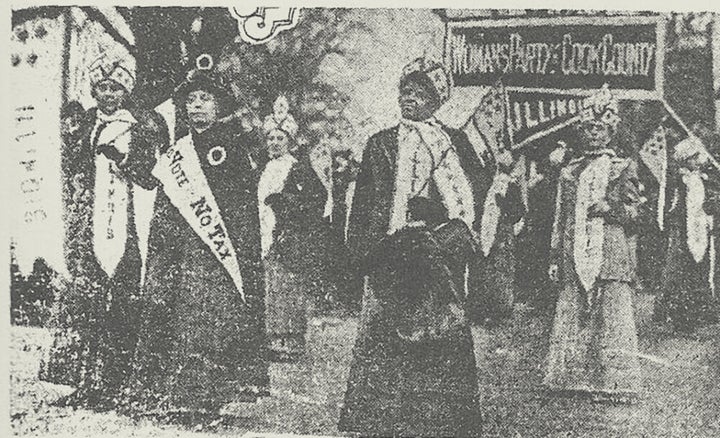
104 166
291 199
491 300
593 346
202 340
686 301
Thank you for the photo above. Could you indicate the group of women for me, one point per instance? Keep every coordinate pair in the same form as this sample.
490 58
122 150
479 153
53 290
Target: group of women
232 255
237 241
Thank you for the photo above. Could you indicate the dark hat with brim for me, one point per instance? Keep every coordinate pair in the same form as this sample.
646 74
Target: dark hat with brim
209 82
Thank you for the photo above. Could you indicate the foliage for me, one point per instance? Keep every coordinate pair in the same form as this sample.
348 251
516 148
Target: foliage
31 297
289 63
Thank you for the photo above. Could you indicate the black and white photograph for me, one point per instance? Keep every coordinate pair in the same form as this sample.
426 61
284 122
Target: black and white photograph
396 221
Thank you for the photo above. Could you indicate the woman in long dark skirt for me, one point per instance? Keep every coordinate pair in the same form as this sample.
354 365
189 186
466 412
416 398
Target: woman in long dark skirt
687 302
413 372
107 152
202 342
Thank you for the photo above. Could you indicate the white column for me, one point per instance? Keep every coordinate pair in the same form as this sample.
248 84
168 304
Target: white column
715 45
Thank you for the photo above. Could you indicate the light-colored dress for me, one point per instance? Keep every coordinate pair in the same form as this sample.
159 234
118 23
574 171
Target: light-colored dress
593 346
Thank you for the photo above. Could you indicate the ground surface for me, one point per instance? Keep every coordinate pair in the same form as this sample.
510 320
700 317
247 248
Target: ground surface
681 393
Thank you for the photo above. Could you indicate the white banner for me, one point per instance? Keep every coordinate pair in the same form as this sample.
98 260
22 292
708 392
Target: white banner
144 200
36 49
184 183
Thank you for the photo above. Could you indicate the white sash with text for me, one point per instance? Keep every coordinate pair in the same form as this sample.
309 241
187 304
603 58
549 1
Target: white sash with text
185 185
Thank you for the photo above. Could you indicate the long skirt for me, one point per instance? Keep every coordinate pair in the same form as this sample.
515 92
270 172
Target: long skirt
397 388
686 301
200 346
96 332
286 304
593 346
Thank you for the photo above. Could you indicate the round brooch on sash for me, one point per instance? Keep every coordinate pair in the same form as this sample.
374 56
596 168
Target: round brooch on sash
204 62
217 155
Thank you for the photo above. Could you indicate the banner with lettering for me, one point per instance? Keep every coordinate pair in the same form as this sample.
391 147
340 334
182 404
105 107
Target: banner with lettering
563 55
34 190
184 183
532 114
550 66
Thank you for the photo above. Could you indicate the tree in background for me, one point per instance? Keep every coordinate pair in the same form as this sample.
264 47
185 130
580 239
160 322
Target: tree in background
169 40
287 64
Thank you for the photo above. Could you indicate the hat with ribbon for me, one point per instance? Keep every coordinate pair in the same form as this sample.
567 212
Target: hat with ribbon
114 68
430 74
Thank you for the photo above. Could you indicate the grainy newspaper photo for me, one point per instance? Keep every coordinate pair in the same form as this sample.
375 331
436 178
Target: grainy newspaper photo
354 222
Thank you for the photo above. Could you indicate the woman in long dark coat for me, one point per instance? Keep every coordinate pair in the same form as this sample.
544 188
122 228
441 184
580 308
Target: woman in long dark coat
105 162
414 370
406 383
687 301
202 342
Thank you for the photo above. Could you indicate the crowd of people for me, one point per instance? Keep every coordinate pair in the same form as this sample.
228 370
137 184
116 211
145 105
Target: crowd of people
254 226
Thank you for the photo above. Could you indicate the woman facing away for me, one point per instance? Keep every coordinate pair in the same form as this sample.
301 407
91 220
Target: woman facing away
202 335
593 345
291 201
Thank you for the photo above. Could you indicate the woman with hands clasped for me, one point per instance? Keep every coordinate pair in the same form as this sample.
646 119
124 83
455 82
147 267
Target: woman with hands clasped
593 346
